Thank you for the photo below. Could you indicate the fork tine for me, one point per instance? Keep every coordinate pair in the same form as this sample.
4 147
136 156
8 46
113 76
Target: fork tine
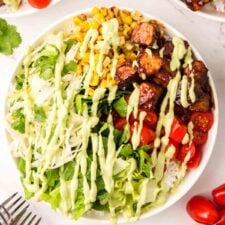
16 201
20 215
3 218
19 206
26 218
31 220
9 198
39 220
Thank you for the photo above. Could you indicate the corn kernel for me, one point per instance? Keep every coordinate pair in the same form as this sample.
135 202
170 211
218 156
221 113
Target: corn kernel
91 91
104 84
93 24
77 20
79 37
133 25
85 58
79 69
95 11
84 26
111 83
104 11
126 18
94 80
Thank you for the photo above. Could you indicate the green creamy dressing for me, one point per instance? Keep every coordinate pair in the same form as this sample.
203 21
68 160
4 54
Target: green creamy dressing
178 53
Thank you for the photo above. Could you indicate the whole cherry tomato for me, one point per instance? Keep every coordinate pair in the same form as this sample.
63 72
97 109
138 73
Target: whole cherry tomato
219 195
202 210
221 221
202 121
199 137
39 4
184 150
195 161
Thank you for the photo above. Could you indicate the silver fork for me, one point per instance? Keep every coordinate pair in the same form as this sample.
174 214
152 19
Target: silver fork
14 211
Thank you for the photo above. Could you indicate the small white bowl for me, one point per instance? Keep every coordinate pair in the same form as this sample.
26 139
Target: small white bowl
193 175
25 9
208 11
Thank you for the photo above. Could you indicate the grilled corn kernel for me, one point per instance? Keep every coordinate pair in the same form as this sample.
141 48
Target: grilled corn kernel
104 11
77 20
94 80
91 91
130 55
94 24
133 25
79 37
111 82
104 84
95 11
79 69
125 16
84 26
85 59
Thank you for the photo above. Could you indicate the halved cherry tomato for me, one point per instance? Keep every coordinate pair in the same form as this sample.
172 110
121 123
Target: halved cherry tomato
147 134
178 131
184 150
219 195
202 121
176 145
202 210
120 123
39 4
221 221
195 161
199 137
150 118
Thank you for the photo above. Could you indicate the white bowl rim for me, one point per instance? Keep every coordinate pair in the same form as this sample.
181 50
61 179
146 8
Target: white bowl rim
50 29
218 17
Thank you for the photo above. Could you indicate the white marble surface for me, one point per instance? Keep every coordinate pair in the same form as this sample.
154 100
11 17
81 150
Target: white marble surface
209 38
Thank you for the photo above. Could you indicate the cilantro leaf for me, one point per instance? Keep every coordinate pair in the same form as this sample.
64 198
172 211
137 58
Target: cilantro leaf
9 38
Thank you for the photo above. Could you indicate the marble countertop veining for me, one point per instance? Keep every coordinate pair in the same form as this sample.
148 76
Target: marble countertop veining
206 35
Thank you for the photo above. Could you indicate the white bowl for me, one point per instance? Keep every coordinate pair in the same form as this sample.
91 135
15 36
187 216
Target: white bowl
25 9
193 175
208 11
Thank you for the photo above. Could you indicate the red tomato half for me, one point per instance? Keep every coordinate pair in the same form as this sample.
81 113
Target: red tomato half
150 118
147 135
202 210
185 149
199 137
219 195
221 221
202 121
178 131
39 4
120 123
195 161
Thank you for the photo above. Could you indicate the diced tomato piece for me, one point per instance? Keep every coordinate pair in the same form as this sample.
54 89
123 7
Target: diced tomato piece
195 160
199 137
178 131
150 118
185 149
120 123
176 145
147 135
202 121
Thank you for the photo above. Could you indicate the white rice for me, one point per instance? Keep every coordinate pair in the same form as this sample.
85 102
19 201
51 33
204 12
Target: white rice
220 5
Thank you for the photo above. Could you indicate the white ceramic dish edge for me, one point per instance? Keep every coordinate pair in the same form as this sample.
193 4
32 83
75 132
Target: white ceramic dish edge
192 176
